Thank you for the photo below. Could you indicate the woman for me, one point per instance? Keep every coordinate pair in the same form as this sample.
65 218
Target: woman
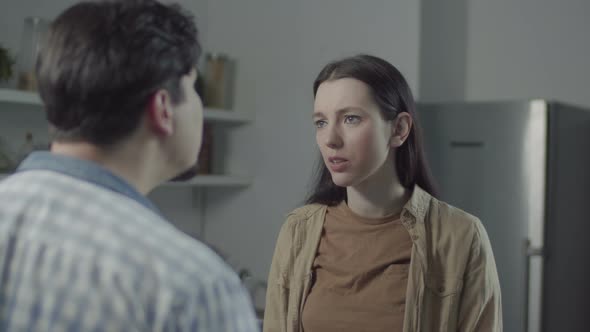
374 250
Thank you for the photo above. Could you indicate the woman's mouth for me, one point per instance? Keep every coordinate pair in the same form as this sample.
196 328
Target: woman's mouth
338 164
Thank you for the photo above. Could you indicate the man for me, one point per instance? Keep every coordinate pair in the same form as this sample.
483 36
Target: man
81 248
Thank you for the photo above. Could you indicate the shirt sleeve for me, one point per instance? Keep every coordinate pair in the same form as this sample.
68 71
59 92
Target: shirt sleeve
480 307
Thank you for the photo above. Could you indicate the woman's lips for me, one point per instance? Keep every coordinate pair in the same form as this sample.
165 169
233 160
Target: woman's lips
338 164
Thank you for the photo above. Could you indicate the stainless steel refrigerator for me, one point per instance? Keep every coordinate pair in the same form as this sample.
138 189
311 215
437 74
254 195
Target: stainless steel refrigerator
524 169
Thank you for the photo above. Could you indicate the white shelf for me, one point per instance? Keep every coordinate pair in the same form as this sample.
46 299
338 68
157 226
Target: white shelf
20 97
13 96
200 181
212 181
216 116
224 116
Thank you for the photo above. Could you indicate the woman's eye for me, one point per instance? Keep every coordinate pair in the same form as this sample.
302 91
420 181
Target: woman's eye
320 123
352 119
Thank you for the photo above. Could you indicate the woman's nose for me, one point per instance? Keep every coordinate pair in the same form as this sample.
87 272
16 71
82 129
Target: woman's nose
333 138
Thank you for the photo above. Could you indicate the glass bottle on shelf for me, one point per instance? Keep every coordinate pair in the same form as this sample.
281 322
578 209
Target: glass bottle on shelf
34 31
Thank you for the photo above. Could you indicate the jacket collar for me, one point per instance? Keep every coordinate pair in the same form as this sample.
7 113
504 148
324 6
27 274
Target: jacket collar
416 208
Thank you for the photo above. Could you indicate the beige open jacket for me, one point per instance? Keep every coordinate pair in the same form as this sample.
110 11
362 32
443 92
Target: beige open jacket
452 283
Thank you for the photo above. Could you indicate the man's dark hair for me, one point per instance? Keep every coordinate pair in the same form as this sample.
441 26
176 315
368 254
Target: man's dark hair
103 60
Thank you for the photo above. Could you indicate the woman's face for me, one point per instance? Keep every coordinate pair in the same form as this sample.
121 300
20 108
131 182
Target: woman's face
353 137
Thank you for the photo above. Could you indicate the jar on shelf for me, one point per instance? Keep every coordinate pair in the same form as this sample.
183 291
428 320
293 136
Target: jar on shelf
33 35
219 81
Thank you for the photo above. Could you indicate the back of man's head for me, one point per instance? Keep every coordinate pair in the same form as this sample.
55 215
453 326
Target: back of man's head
103 60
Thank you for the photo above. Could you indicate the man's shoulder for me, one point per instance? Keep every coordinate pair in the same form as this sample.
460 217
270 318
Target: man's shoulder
120 230
67 193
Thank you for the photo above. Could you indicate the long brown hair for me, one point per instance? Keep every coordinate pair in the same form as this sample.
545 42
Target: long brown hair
393 96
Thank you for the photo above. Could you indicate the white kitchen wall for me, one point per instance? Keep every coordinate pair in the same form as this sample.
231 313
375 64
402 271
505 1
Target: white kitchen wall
527 49
13 13
443 50
280 47
505 50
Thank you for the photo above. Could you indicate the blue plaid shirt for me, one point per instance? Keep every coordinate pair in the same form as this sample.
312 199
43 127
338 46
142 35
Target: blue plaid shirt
81 250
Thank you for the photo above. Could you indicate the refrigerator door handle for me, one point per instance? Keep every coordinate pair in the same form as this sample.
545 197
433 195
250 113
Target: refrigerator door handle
529 252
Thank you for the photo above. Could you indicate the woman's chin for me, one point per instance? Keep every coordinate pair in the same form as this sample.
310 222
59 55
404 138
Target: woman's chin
342 180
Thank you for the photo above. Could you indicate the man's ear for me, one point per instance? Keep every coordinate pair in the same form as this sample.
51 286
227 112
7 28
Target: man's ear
400 129
159 113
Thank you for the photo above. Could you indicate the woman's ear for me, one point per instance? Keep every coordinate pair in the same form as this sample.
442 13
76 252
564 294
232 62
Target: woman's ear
400 129
159 113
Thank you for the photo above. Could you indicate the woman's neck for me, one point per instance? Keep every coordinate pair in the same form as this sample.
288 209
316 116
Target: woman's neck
380 195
